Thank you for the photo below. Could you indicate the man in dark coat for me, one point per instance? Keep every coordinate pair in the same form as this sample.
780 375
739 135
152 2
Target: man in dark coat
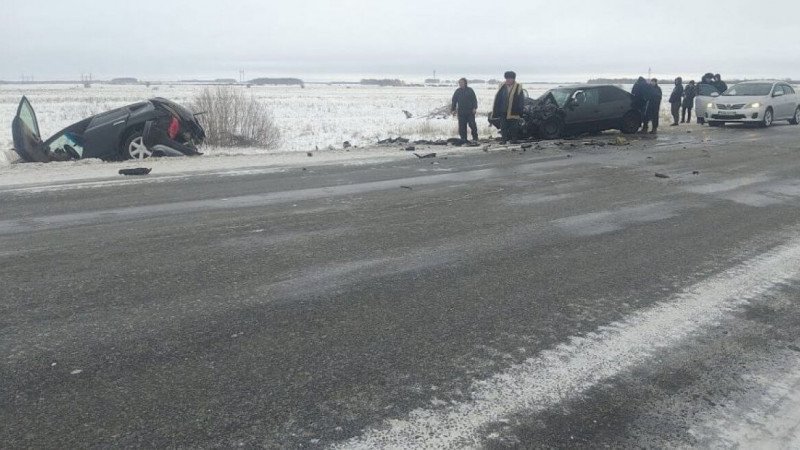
507 107
654 97
688 101
675 100
639 92
465 104
719 84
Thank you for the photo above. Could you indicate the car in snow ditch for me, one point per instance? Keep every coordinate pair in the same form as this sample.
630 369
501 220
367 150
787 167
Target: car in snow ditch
156 127
571 110
757 102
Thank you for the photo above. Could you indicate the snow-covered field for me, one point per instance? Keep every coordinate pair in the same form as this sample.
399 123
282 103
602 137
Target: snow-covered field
315 117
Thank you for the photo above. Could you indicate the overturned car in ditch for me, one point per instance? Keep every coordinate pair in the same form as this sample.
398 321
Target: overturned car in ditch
572 110
156 127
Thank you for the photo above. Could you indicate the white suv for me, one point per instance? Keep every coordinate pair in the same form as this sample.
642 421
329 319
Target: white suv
761 102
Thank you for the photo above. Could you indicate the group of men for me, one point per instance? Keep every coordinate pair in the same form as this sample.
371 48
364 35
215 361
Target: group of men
647 97
506 110
509 102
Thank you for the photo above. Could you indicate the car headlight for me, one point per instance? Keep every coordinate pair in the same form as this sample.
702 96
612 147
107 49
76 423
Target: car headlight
710 105
754 105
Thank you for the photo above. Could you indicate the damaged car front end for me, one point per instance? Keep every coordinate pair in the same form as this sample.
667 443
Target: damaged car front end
156 127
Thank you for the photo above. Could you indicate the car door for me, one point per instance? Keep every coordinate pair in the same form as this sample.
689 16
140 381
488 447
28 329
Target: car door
104 133
584 112
25 133
782 101
614 103
793 100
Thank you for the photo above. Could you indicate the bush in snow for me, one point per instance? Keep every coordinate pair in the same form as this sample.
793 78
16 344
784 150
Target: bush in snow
232 119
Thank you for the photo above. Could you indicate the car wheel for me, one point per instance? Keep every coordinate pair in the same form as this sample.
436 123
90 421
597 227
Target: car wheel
631 122
767 122
713 123
133 147
796 119
551 128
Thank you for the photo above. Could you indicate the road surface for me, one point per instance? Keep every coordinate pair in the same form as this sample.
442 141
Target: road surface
557 296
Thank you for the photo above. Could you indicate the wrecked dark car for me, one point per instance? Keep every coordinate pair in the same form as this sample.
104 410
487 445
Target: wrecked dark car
156 127
572 110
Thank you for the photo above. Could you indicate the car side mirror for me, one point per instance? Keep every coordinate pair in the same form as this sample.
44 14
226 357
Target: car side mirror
777 94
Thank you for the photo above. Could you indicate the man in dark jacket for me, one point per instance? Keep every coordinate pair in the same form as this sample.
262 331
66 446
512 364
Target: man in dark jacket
465 104
639 92
654 97
688 101
675 100
507 107
719 84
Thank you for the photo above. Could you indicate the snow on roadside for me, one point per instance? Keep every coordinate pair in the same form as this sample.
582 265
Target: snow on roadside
240 161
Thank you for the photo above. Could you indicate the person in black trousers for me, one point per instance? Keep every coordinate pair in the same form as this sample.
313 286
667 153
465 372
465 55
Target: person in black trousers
653 105
465 104
688 101
675 100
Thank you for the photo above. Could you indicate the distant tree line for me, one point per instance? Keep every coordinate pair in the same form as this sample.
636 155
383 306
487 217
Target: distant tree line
278 82
382 82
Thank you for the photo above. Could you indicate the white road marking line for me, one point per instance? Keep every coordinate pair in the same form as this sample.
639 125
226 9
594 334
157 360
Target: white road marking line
571 369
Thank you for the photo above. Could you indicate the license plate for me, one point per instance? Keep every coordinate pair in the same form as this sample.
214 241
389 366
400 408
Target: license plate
727 113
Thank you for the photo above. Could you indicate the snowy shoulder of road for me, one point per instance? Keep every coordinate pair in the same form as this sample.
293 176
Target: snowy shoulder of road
240 161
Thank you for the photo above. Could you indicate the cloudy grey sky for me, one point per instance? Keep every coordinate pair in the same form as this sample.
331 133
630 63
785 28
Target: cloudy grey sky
563 40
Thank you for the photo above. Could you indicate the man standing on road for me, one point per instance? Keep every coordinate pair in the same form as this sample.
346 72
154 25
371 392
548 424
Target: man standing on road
507 107
688 101
465 103
675 100
719 84
653 105
639 92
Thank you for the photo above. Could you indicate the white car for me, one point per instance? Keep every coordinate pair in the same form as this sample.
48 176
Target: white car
705 94
761 102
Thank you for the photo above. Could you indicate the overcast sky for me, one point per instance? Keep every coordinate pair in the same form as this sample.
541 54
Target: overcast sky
319 40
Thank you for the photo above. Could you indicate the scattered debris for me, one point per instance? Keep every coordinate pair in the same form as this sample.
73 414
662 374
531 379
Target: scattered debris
526 146
696 172
569 156
620 140
661 175
407 187
346 144
136 171
408 114
397 140
411 148
76 372
309 154
427 155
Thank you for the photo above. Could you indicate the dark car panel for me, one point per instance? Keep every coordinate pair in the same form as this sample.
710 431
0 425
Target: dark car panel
105 135
584 108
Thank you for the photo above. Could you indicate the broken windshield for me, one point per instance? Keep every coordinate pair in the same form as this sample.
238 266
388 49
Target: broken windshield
561 96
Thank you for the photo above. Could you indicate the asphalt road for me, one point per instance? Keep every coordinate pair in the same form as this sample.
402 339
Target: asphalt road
561 296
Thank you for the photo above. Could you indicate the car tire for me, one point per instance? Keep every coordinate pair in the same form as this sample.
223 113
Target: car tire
796 118
631 122
551 128
133 147
768 118
714 123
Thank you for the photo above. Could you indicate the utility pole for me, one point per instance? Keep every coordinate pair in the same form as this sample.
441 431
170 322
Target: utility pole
649 73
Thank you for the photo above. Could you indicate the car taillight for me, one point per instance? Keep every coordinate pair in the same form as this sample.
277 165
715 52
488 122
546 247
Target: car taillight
174 126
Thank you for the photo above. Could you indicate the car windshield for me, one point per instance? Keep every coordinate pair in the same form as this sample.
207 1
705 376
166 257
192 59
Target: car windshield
750 89
561 96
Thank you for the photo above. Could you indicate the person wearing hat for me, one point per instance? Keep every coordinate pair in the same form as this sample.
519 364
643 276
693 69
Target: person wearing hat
507 107
675 101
